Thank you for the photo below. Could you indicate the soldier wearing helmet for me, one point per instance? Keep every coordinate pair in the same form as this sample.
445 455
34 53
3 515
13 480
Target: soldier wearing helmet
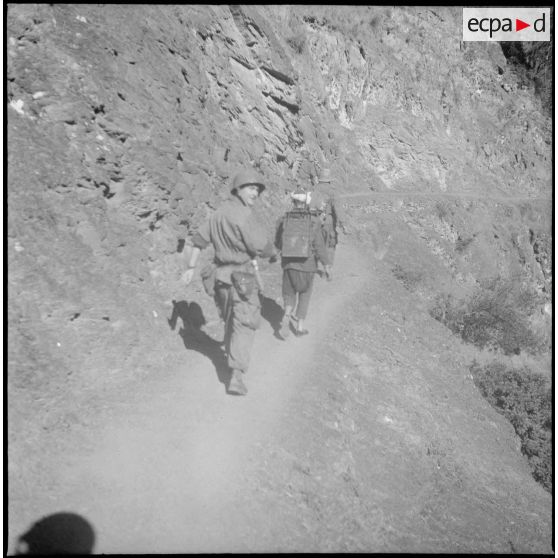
238 239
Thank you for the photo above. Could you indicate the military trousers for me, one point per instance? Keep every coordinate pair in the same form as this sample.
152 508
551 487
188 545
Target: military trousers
242 319
329 235
297 290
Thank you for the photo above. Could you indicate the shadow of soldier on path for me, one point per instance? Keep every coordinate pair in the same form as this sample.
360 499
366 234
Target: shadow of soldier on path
272 312
195 339
62 533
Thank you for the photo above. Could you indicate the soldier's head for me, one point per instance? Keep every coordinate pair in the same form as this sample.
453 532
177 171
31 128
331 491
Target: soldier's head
247 185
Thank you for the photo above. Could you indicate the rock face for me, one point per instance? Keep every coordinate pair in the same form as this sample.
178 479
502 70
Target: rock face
127 123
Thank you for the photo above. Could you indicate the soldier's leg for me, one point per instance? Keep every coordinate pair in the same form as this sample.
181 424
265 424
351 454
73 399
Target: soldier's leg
325 233
245 320
304 297
307 282
289 302
331 254
330 239
288 291
223 299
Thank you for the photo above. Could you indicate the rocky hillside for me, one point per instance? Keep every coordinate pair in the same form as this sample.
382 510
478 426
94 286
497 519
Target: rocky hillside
126 123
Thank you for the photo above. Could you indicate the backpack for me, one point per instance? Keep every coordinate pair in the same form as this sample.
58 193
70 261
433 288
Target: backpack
296 237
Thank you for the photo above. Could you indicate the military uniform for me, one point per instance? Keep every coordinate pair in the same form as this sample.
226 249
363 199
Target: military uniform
329 227
305 171
299 273
325 201
237 238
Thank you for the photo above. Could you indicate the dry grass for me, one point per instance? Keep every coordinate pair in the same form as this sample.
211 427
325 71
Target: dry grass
496 316
297 42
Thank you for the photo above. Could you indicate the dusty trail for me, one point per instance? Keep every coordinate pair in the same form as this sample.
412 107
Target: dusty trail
122 129
167 469
365 435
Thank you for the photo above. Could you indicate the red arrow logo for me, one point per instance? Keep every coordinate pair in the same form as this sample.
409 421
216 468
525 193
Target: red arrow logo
519 25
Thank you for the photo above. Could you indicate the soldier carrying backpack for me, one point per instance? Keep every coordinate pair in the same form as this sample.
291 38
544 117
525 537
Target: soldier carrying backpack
300 240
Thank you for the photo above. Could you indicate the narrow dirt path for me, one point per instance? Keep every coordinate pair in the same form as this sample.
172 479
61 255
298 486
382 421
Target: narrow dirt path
366 435
166 467
442 195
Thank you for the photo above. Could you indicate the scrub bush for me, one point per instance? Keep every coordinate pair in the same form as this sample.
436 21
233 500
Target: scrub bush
410 278
496 316
297 42
525 399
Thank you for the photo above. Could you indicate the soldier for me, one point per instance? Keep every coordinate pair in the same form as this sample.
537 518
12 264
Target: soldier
299 272
324 198
305 168
238 239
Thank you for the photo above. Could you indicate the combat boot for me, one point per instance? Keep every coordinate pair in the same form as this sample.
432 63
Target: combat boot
236 384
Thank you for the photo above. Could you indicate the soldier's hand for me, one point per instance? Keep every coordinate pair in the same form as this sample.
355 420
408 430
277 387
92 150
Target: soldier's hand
187 276
329 276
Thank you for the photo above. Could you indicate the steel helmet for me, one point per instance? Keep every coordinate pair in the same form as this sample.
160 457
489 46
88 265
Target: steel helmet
246 177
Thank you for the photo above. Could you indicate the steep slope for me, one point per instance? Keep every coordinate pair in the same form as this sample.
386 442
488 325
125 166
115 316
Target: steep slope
125 125
367 435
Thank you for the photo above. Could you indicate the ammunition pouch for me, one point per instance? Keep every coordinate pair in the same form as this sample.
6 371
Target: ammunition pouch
244 283
246 312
